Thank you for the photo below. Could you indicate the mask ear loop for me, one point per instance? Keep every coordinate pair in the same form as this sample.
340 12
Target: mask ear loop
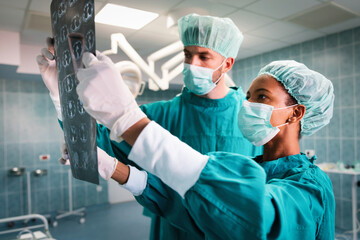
222 74
288 118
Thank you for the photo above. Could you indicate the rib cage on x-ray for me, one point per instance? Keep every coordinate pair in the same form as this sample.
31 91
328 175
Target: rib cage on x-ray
74 32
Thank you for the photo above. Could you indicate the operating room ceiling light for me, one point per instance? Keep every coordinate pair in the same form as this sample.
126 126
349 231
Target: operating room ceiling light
126 17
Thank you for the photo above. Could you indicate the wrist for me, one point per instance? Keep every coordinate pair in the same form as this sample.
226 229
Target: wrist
121 173
125 123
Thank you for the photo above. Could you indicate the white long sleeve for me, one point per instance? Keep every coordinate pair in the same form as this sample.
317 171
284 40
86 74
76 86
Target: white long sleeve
164 155
137 181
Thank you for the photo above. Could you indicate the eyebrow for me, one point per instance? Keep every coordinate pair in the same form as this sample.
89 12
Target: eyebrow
258 90
200 53
262 89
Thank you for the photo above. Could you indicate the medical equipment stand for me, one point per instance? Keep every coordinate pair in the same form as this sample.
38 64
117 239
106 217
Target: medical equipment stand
28 186
353 195
71 212
30 216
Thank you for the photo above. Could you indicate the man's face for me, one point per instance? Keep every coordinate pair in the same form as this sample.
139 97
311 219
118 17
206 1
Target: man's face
202 57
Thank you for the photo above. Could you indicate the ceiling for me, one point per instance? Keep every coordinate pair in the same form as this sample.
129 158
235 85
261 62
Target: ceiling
266 24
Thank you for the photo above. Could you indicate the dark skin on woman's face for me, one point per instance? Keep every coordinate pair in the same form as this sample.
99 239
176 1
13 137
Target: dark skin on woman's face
267 90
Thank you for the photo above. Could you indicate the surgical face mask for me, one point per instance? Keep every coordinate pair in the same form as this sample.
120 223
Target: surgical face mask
254 122
199 79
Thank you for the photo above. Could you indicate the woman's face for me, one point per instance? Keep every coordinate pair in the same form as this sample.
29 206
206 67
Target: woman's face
267 90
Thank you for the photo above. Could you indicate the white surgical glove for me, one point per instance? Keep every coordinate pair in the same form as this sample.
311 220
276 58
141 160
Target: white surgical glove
49 74
137 179
106 163
64 160
105 95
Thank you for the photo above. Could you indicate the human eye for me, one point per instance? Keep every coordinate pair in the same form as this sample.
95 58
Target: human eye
187 55
262 97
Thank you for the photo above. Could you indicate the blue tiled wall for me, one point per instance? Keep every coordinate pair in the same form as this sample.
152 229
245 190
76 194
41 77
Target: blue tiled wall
28 128
337 56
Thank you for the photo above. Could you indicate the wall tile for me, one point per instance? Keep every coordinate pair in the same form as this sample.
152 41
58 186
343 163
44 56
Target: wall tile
318 62
2 155
12 155
3 207
42 202
307 47
346 37
332 63
2 85
331 41
346 60
79 196
3 180
266 58
323 132
40 183
334 125
347 122
357 58
318 44
307 60
91 195
335 180
26 86
346 215
11 117
357 34
12 86
55 200
27 155
357 111
347 92
256 62
321 150
338 213
348 152
346 183
295 51
15 207
309 144
357 155
334 150
284 53
2 120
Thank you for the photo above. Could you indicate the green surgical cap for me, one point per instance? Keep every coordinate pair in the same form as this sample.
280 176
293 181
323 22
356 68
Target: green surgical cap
309 88
218 34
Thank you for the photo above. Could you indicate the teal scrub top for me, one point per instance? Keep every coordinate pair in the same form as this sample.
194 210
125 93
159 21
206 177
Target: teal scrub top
206 125
238 198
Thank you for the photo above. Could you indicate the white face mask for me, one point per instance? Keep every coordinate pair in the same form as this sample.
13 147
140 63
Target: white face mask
254 122
199 79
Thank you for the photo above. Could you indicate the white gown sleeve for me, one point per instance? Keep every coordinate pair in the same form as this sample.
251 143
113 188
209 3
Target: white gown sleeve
164 155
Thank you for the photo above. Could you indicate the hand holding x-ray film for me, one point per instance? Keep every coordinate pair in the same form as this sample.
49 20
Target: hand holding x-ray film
105 96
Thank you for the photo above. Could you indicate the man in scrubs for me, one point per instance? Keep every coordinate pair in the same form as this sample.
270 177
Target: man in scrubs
204 115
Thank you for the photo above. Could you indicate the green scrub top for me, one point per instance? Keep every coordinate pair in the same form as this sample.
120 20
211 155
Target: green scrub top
237 198
206 125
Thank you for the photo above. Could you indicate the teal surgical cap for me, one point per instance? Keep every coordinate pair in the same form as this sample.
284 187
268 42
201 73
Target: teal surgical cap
309 88
218 34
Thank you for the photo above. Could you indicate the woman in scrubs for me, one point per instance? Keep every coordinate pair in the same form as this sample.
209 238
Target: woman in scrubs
278 195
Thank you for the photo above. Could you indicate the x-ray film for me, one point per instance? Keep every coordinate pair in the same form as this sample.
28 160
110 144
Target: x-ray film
74 32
